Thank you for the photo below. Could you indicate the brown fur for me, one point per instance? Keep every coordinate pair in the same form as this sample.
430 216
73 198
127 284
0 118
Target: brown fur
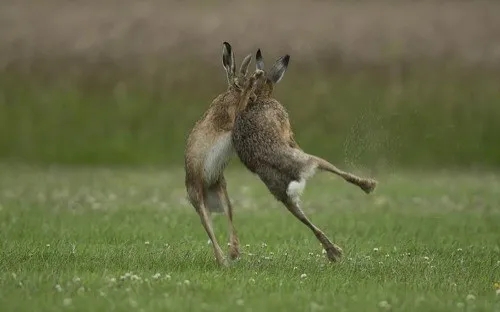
209 148
264 142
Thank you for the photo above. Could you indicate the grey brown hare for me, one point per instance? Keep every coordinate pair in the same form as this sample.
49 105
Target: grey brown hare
209 149
265 144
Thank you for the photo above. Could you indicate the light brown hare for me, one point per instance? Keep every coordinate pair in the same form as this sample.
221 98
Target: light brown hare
264 142
209 149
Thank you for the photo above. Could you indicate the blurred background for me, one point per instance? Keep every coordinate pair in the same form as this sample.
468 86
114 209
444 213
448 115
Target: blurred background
371 84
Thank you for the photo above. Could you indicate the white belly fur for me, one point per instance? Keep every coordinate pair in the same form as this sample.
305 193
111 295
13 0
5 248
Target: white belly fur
218 158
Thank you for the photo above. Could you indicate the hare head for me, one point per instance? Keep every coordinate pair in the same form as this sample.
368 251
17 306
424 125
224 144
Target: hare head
266 84
235 80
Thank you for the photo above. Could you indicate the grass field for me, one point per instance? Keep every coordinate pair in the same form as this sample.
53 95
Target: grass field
126 240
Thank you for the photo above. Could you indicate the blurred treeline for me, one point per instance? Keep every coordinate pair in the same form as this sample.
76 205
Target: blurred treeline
106 83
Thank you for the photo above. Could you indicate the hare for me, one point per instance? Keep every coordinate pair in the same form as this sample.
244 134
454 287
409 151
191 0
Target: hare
264 142
209 149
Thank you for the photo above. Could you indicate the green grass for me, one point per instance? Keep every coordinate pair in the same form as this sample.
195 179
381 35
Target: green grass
81 239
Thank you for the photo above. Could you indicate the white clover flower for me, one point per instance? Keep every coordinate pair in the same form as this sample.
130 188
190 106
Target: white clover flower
135 277
67 301
384 305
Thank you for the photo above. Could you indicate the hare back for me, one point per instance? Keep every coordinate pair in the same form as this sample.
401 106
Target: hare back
260 135
262 142
260 130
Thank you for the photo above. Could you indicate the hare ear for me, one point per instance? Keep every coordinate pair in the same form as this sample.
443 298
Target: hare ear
244 65
259 62
228 60
278 70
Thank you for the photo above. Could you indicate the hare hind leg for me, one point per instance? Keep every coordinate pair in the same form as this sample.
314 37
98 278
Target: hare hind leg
288 192
333 252
207 224
366 184
202 210
234 246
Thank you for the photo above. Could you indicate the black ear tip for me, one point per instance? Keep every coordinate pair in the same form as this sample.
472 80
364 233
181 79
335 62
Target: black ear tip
286 59
227 45
259 54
